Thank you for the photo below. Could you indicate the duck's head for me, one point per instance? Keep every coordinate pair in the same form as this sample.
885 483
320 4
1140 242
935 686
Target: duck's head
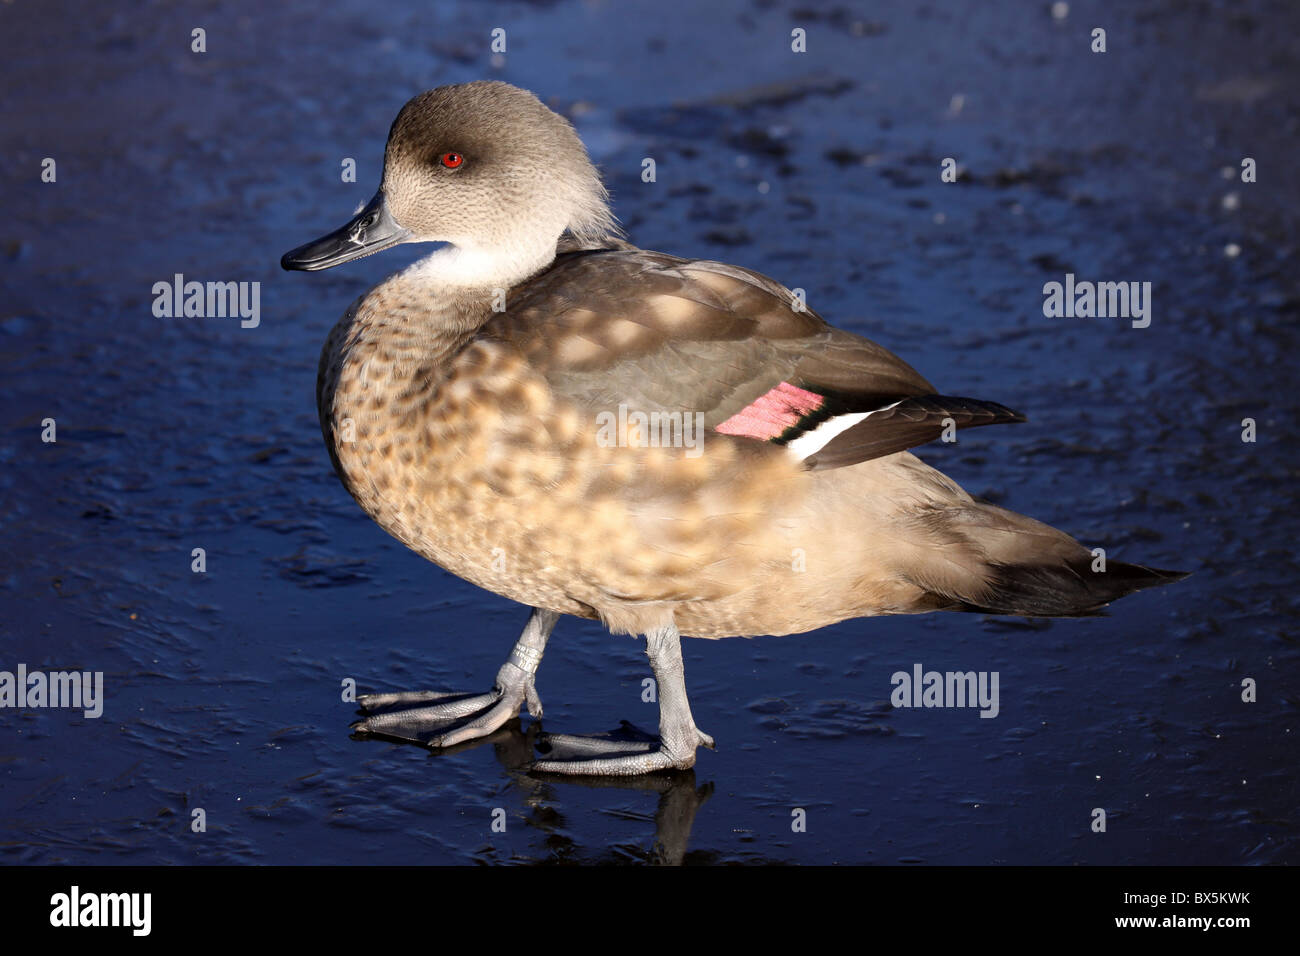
485 167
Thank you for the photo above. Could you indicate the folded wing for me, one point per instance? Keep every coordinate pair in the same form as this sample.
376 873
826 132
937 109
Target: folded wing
656 333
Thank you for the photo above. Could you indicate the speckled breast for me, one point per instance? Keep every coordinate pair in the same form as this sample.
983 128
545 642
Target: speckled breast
459 449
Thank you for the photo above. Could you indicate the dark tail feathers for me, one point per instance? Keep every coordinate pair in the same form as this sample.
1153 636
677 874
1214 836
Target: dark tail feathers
1064 590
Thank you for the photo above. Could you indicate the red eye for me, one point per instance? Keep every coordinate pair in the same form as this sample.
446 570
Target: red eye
452 160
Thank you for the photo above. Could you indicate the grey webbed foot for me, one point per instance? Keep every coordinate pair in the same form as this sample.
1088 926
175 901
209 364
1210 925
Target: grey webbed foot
440 720
622 752
629 751
448 719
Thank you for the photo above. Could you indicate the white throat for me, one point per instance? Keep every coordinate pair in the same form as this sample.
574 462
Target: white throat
478 267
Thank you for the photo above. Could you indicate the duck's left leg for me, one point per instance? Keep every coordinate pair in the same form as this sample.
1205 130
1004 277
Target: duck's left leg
678 739
464 716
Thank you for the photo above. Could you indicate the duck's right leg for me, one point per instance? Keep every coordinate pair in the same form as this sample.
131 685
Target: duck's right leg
464 716
628 752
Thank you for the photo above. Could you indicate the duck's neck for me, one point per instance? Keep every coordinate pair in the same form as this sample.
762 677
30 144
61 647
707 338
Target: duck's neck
426 313
415 322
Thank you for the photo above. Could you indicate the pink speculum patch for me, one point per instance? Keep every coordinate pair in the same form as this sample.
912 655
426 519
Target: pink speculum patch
772 413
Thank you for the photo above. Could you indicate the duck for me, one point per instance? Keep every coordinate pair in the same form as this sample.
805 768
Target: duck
675 447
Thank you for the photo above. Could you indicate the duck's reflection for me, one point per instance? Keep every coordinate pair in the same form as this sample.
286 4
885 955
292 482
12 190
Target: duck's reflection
680 799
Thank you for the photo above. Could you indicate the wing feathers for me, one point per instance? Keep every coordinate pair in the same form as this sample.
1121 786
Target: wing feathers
627 326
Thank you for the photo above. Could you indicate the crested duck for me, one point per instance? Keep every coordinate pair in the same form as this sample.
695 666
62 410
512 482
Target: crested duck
673 446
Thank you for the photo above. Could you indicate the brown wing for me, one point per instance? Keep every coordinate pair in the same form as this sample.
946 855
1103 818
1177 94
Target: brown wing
661 334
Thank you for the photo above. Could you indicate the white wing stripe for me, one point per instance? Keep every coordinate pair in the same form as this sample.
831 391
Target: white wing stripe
814 441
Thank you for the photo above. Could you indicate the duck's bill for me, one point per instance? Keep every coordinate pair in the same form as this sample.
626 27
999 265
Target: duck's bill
371 230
